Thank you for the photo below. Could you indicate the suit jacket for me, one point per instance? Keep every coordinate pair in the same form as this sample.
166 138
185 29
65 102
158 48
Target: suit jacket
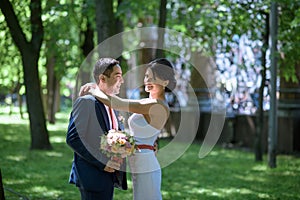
88 121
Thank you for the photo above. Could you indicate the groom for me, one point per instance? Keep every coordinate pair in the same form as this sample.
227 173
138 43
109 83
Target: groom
92 172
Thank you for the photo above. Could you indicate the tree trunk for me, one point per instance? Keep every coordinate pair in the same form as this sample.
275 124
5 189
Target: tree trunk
107 26
51 88
2 197
88 43
87 46
106 22
39 133
123 62
11 105
273 120
260 115
161 32
30 55
20 98
119 22
260 111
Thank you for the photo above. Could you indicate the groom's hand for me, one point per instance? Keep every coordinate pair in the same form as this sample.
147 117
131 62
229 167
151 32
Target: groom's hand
111 166
108 169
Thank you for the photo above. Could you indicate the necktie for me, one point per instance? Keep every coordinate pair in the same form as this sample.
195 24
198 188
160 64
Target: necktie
113 122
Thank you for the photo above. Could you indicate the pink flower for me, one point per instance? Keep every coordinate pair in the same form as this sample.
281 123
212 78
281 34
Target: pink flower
117 144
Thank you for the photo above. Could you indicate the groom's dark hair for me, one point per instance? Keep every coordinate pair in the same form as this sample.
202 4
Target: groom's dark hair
104 66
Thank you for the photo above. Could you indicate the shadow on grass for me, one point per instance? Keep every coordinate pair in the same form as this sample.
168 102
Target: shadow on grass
38 174
223 174
34 174
230 174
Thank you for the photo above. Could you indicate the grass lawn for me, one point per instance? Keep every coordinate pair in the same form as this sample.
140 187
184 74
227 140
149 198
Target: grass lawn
223 174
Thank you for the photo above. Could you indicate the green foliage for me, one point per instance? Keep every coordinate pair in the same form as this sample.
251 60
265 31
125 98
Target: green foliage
10 60
289 39
223 174
208 22
133 12
212 22
61 21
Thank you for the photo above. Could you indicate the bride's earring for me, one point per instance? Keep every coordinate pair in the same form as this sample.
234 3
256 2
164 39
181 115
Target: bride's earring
165 84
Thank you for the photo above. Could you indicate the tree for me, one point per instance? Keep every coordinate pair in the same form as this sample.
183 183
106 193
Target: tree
106 22
11 78
30 51
161 24
62 48
87 43
289 40
258 150
272 131
1 187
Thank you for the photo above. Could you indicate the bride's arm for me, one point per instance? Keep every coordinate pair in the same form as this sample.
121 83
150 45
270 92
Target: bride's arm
142 106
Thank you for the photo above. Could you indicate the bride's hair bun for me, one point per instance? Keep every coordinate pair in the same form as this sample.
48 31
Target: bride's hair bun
163 69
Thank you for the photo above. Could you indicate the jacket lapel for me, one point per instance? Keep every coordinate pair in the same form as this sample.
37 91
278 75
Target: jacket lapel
102 114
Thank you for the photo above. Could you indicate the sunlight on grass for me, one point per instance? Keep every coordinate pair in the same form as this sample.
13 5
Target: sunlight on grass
214 153
290 173
223 174
264 196
11 138
16 158
225 191
61 122
14 118
209 192
16 182
54 154
260 168
251 178
57 139
46 192
57 127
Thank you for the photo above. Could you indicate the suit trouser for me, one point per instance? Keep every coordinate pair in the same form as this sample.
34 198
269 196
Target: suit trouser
91 195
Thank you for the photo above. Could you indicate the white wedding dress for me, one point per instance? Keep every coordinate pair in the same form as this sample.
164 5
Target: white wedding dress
144 166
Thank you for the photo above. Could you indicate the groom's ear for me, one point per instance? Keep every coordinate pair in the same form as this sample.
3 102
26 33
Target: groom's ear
102 78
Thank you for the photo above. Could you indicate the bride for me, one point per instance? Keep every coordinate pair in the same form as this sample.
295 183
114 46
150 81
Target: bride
148 119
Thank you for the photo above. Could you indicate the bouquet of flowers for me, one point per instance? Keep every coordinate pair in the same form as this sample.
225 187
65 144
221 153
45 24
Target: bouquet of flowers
117 144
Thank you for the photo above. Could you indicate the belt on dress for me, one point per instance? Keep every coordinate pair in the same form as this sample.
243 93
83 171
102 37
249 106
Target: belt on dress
145 146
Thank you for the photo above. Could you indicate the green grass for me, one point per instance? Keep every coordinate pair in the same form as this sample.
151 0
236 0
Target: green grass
223 174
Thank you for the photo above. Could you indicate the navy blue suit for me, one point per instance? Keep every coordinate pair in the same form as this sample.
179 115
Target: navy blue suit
88 121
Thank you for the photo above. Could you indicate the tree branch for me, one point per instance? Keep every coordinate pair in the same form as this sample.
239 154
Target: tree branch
36 24
13 24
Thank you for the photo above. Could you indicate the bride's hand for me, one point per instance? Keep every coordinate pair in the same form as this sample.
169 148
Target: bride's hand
96 92
85 89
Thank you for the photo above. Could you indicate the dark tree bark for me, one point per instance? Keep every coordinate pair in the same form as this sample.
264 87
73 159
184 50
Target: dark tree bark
1 188
86 47
20 99
88 43
106 22
273 120
260 112
119 29
52 88
161 24
52 99
30 51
